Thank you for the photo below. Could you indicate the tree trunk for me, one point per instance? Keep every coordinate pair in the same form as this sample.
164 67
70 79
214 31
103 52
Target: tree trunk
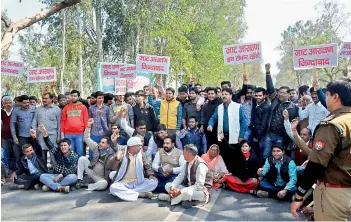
98 30
13 28
80 58
63 52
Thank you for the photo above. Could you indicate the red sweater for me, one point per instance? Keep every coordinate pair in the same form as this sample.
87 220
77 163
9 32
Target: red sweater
5 128
300 157
74 118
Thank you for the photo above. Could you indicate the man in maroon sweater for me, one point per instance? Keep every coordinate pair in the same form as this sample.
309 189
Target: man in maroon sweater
6 137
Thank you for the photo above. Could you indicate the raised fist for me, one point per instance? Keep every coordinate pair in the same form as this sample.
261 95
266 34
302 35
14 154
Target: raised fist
268 67
90 122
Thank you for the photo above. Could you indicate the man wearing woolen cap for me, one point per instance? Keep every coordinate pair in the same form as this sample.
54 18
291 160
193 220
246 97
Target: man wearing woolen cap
134 176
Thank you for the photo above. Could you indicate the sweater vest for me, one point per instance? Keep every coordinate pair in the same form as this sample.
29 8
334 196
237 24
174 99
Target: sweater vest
168 113
172 159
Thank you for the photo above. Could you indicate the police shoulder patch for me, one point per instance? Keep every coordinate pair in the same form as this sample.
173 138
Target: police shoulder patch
319 145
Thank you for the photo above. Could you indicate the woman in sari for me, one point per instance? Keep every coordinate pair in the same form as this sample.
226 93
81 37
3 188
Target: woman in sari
244 178
216 165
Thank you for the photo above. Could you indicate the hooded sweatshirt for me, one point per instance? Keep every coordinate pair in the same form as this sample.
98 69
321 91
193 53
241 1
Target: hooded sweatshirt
74 118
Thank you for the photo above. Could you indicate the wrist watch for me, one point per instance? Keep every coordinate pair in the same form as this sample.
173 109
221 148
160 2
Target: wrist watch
295 199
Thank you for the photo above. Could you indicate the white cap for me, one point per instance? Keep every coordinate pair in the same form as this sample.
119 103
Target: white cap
133 141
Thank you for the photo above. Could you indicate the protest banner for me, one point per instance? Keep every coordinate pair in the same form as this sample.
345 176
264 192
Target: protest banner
242 53
128 72
108 85
120 86
152 64
12 68
345 51
315 56
111 69
42 74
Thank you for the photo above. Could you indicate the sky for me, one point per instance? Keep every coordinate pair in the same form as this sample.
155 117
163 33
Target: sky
266 20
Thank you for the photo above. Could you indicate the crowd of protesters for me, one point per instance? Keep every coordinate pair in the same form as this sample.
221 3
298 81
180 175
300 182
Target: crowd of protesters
253 140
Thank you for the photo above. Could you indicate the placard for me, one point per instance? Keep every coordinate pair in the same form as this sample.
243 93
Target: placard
345 51
152 64
12 68
316 56
242 53
128 72
42 74
108 85
111 69
120 86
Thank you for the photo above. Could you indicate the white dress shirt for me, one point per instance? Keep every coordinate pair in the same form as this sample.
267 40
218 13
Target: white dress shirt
315 113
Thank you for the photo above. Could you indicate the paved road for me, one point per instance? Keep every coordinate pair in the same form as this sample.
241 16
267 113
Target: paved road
82 205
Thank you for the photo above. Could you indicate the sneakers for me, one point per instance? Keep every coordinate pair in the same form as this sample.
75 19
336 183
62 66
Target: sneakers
146 195
14 186
79 184
164 197
37 186
261 193
45 188
63 189
188 204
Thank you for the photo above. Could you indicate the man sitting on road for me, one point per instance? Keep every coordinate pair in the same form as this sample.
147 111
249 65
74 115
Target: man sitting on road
32 166
168 163
134 177
279 176
194 183
96 168
65 167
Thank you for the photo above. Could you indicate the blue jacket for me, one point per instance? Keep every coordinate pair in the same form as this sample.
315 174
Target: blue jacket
194 136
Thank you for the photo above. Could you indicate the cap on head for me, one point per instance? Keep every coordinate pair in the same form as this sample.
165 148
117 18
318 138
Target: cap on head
133 141
279 146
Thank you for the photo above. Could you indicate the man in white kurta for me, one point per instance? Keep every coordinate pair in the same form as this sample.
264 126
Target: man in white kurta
134 177
192 184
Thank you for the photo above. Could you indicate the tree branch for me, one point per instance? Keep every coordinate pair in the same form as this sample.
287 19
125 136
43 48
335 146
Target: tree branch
26 22
6 21
9 35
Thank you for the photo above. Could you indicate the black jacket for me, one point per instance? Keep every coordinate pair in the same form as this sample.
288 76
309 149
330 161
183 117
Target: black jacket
208 109
259 119
245 169
39 162
147 114
291 107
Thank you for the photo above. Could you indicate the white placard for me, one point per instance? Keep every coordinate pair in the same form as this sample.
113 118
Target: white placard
242 53
42 74
316 56
152 64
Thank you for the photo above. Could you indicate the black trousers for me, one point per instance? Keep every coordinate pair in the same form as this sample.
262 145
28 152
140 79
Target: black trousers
28 180
227 151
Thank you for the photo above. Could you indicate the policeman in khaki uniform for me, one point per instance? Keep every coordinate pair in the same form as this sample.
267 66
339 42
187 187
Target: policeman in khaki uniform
329 163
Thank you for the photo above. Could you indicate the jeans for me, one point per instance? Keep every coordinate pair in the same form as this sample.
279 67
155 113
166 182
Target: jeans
162 180
76 143
10 148
97 140
273 190
48 180
270 140
247 135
